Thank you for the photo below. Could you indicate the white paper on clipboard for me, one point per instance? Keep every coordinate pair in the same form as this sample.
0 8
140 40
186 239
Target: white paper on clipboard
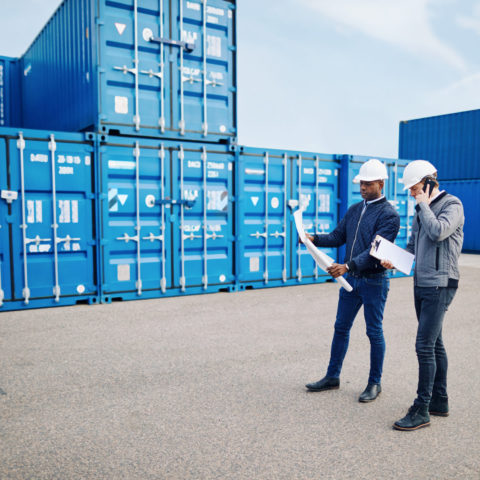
383 249
321 259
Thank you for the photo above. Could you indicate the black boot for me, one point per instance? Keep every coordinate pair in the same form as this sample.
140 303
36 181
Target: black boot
417 417
439 405
326 383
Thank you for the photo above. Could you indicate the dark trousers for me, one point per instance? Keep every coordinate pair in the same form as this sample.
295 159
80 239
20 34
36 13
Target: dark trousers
431 303
372 294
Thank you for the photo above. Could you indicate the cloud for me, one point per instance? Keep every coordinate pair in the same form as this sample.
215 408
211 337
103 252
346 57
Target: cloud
471 22
405 24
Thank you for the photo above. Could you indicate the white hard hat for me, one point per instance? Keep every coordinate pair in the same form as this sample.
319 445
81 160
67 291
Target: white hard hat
372 170
415 172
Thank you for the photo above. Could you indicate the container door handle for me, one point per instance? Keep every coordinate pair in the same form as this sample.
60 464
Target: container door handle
187 46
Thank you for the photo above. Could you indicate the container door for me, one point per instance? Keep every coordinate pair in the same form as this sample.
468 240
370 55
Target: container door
135 218
315 186
6 200
203 72
53 242
263 218
202 227
401 200
135 81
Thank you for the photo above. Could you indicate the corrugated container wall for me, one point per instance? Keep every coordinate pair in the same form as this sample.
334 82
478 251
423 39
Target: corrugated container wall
150 68
271 184
10 92
165 218
468 191
451 142
48 253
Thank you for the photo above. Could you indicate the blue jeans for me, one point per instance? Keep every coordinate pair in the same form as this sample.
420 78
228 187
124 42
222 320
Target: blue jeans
372 293
431 303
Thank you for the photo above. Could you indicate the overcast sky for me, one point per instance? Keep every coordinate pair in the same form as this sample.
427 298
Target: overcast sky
331 76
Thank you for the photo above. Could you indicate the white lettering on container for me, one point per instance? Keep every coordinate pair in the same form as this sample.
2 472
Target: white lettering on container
214 46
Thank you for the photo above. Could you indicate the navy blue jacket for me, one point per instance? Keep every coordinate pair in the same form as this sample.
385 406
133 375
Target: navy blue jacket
358 230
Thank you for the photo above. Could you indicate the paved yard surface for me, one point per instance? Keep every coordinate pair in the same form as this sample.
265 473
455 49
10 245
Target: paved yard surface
212 387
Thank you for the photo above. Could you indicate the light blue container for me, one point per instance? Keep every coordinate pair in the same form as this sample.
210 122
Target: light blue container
152 67
10 92
166 218
48 245
393 190
451 142
270 186
468 191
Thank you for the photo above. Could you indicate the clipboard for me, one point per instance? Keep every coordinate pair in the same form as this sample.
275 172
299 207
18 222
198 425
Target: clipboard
383 249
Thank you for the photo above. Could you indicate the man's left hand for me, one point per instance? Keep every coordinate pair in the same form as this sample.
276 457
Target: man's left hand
337 270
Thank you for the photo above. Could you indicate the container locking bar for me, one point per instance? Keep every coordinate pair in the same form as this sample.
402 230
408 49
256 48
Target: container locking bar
188 47
172 201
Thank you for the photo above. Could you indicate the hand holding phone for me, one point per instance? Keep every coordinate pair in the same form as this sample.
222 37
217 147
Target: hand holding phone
428 186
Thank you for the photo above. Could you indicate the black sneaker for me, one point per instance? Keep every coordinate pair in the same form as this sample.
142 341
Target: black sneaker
417 417
326 383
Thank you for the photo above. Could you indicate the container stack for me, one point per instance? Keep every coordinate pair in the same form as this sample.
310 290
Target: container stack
120 174
452 143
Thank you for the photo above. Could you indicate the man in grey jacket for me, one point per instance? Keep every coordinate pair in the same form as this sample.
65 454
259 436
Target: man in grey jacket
436 241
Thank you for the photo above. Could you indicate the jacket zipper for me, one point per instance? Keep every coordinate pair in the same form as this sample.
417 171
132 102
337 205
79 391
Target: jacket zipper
356 231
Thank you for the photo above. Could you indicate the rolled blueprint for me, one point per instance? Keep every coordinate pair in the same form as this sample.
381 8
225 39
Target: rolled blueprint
322 260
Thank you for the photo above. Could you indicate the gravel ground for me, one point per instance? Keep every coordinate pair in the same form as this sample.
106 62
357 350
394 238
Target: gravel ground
212 387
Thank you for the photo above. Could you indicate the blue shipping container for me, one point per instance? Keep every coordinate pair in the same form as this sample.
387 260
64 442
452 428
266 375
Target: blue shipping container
10 92
451 142
151 68
47 213
393 190
166 219
270 185
468 191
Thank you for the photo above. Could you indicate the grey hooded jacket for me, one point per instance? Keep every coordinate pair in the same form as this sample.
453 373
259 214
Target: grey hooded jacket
436 241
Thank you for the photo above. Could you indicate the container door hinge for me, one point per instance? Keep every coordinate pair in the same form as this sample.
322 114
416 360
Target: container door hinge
9 195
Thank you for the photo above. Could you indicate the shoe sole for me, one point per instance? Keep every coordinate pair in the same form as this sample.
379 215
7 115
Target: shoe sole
321 389
439 414
371 400
405 429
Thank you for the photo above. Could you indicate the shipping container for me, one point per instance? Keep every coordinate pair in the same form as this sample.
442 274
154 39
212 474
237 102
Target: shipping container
48 248
10 92
393 190
451 142
166 218
271 184
468 191
153 68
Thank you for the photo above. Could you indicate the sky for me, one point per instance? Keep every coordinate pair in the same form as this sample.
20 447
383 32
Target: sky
331 76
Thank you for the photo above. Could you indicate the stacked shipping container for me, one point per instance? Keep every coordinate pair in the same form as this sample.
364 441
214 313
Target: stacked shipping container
452 143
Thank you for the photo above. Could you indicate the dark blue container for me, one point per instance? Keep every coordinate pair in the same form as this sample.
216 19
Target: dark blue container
165 218
10 92
270 186
468 191
150 67
48 254
451 142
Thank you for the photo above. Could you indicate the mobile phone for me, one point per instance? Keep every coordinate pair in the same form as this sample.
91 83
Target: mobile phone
429 185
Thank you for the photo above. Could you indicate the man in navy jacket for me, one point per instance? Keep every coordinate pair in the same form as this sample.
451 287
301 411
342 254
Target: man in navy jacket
357 230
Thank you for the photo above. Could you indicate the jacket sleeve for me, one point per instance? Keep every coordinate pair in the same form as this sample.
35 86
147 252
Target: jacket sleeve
388 227
441 227
333 239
